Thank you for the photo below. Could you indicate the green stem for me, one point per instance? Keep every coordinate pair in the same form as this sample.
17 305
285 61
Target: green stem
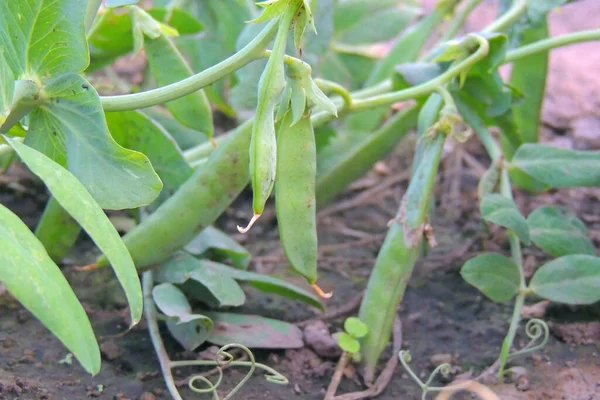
459 20
512 331
159 348
510 17
333 87
550 43
249 53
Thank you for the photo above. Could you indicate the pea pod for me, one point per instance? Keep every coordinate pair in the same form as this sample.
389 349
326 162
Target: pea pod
263 146
195 205
397 256
295 194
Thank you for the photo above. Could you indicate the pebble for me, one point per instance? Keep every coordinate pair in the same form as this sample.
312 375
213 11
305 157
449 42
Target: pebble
147 396
110 350
317 336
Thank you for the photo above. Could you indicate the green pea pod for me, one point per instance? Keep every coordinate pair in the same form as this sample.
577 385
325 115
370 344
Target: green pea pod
263 146
167 65
195 205
295 194
397 257
57 230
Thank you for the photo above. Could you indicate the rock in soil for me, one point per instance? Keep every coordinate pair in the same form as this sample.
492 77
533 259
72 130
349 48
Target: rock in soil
317 336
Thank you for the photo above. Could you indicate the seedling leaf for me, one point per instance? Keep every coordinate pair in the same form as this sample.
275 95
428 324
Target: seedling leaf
501 210
31 276
254 331
355 327
348 343
572 279
191 334
74 198
558 167
495 275
559 232
221 244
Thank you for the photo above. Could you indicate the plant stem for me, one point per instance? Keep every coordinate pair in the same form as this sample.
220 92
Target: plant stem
159 348
512 330
336 88
510 17
550 43
459 20
249 53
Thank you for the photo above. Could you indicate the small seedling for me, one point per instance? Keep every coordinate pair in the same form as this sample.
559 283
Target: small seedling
354 329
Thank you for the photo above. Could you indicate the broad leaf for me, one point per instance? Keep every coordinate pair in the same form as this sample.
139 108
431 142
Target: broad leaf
573 279
347 342
31 276
43 38
495 275
184 136
502 211
559 232
74 198
221 244
254 331
558 167
136 131
72 131
182 267
190 330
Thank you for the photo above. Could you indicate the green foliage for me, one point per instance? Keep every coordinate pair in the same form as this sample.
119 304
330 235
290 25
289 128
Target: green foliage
572 279
501 210
559 232
495 275
354 329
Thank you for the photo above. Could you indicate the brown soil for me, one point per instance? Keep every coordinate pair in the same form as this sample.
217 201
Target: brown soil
443 318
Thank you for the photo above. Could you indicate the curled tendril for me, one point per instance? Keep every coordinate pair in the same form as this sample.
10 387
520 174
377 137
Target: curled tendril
405 356
443 369
535 329
223 359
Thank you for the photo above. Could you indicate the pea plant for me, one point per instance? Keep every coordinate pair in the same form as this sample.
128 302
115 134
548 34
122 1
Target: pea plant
312 105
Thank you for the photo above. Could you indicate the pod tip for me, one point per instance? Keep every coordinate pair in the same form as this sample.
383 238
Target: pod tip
86 268
250 224
320 291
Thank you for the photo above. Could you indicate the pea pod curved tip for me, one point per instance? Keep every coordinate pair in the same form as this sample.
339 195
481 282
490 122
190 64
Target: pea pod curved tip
250 224
320 291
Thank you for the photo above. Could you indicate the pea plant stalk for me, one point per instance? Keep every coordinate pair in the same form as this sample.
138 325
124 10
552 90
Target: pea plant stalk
276 148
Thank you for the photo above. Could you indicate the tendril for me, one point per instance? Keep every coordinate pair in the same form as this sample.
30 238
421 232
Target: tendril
535 329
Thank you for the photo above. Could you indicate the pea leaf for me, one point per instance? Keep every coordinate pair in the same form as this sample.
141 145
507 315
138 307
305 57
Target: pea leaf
70 128
183 267
74 198
42 38
559 232
502 211
347 342
536 10
31 276
495 275
184 136
572 279
191 335
254 331
558 167
221 244
136 131
355 327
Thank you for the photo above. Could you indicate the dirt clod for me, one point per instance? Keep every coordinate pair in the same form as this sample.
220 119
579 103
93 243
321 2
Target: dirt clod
110 350
578 333
147 396
317 336
441 358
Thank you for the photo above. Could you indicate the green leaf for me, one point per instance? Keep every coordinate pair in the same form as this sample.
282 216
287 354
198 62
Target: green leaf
502 211
536 9
31 276
191 335
358 22
120 3
572 279
136 131
355 327
70 128
7 85
558 167
74 198
167 66
42 38
57 230
254 331
347 342
559 232
414 73
221 245
184 136
182 267
495 275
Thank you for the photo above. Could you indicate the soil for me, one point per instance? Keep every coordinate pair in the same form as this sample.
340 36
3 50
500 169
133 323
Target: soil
443 318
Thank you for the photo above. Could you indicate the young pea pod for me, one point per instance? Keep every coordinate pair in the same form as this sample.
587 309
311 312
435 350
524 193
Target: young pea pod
295 194
397 256
263 146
